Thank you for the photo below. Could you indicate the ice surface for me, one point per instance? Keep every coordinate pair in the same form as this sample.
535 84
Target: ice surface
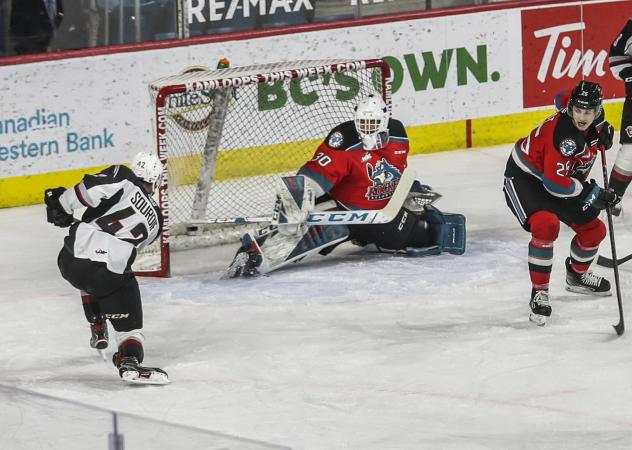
351 351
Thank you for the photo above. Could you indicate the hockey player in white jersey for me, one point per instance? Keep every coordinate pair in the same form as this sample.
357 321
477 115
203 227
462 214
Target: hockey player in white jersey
620 60
120 219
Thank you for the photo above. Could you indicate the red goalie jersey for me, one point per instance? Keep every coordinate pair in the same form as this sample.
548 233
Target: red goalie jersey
557 153
354 177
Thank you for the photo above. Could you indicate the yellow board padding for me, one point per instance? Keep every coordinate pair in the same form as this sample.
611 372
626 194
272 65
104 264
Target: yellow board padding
438 137
508 129
287 157
29 189
505 129
244 162
613 113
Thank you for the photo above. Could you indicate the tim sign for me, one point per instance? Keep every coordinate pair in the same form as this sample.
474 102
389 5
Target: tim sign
564 44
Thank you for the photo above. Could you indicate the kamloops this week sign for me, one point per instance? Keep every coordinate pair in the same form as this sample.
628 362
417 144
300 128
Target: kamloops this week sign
564 44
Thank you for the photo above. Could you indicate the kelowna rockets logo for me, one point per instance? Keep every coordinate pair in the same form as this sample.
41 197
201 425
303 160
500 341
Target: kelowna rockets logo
385 178
582 166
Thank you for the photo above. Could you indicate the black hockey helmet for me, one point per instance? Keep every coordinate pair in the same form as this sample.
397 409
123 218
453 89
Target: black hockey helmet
586 95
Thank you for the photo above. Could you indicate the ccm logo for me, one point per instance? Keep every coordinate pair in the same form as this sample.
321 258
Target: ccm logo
400 226
117 316
339 217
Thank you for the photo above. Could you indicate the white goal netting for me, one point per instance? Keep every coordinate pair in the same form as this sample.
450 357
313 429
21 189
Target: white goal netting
226 135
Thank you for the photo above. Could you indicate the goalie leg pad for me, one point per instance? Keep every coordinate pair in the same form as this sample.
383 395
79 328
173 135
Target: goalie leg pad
317 238
294 202
447 233
279 250
273 250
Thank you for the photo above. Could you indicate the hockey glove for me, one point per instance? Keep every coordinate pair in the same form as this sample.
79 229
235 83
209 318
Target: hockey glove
598 198
606 135
420 195
55 213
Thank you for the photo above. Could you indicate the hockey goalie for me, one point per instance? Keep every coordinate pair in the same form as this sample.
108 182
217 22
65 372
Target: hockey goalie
358 167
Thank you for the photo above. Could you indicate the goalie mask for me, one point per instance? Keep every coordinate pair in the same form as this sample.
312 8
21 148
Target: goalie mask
148 168
371 122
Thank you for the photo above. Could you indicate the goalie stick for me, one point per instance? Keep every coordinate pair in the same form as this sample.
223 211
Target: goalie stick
366 217
353 217
609 262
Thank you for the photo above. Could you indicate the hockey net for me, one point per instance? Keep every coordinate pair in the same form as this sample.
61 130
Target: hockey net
227 135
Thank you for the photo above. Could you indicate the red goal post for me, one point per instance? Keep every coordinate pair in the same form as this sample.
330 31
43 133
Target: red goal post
226 135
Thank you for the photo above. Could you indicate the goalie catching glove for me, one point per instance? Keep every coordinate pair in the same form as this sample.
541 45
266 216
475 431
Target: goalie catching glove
55 213
420 196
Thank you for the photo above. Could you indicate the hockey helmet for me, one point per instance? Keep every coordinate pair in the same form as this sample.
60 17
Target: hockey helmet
148 168
371 122
586 95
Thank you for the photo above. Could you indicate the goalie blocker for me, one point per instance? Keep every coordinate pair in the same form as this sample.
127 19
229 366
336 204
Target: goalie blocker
417 229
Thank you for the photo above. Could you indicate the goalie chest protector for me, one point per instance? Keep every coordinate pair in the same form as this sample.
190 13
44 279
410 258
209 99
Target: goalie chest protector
358 178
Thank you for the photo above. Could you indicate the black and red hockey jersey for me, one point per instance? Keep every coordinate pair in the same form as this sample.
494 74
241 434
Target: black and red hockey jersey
354 177
557 153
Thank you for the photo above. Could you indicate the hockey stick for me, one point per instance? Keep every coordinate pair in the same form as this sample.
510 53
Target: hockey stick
609 262
619 328
357 217
365 217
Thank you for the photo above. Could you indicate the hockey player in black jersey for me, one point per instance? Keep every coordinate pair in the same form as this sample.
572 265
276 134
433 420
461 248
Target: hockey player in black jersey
620 60
120 219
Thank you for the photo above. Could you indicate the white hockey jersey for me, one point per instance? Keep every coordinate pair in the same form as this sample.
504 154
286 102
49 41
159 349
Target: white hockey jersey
620 56
120 218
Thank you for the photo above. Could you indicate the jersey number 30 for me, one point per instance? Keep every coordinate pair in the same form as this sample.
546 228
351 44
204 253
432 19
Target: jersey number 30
322 159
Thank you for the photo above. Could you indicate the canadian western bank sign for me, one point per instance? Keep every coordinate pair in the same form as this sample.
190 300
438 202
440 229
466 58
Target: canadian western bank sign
29 136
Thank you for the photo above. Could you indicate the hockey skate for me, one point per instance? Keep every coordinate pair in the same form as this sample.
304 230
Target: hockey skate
586 283
131 371
246 261
99 329
540 307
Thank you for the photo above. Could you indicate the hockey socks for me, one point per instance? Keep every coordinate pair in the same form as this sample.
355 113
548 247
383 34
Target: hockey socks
545 227
584 247
540 263
621 173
